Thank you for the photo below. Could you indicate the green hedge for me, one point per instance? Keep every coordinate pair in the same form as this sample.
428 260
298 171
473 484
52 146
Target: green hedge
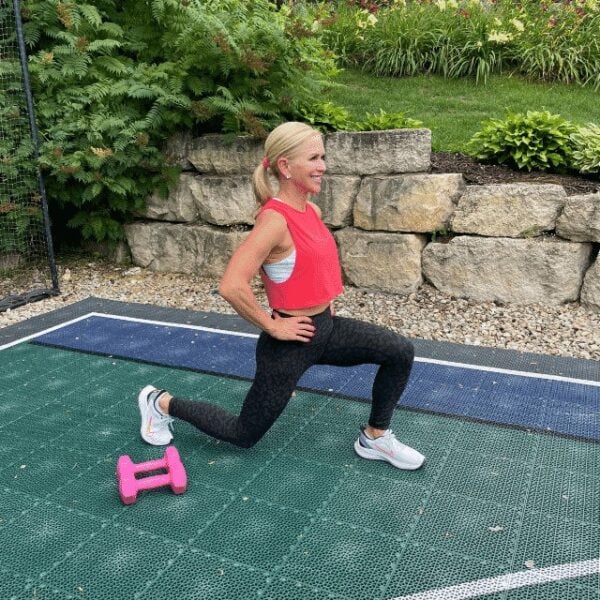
113 79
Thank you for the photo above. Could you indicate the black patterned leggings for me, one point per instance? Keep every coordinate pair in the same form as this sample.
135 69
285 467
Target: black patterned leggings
280 364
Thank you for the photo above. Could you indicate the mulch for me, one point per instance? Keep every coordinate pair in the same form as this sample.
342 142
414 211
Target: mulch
476 173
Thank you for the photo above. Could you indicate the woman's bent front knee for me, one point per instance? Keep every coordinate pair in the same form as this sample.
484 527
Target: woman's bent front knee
401 350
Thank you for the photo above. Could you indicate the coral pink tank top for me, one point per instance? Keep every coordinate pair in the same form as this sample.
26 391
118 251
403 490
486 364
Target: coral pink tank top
316 277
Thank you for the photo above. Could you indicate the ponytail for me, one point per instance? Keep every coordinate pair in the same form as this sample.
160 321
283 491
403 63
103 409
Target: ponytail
261 185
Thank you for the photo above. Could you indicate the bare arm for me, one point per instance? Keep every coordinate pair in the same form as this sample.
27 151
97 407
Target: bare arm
235 287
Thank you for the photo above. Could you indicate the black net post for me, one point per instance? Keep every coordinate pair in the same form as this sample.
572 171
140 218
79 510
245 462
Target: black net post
27 264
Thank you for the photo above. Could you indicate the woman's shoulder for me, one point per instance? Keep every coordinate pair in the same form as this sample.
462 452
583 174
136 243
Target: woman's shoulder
269 216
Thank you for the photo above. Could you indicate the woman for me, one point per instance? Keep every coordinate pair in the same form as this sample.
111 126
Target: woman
298 261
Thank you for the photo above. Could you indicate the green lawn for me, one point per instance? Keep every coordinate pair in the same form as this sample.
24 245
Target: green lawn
454 108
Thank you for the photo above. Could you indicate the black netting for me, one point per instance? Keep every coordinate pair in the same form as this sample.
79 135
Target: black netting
27 266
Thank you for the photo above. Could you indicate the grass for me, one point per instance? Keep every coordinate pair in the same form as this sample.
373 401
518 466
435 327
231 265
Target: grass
454 108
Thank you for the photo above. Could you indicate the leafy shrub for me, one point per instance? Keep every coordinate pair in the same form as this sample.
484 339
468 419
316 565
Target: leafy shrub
535 140
384 120
17 224
328 116
114 78
586 149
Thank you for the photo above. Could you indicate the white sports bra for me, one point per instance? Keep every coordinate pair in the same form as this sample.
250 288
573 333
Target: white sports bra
281 270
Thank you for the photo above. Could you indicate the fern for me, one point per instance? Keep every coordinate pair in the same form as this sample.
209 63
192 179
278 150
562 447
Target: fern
114 78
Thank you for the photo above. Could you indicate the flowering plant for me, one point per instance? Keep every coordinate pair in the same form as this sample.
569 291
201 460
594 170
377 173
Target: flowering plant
541 39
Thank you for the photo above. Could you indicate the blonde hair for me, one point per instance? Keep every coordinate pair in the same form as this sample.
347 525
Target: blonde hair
284 140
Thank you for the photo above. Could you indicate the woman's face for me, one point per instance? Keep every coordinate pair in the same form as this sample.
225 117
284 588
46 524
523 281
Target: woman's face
307 166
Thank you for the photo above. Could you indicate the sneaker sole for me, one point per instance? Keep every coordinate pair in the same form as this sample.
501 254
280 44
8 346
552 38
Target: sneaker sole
143 406
373 455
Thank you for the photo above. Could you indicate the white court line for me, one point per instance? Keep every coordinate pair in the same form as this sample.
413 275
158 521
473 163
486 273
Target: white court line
34 335
511 581
434 361
446 363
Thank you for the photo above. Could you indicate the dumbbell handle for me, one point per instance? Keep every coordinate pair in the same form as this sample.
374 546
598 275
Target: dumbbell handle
148 483
150 465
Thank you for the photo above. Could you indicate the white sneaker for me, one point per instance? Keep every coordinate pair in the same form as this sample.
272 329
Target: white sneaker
155 425
388 448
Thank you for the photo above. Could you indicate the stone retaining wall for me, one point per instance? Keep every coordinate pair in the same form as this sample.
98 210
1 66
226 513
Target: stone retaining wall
396 224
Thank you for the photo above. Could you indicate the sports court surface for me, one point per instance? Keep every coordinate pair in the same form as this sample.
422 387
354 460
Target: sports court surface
507 506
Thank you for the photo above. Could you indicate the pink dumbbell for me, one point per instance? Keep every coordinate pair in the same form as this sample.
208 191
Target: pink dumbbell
129 485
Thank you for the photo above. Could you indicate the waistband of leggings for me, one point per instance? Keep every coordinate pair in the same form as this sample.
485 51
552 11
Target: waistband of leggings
326 312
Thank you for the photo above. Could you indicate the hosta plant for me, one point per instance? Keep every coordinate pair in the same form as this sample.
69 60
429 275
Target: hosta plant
526 141
586 149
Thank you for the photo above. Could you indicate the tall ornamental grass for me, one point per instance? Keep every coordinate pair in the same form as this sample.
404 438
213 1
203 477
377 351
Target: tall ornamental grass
540 39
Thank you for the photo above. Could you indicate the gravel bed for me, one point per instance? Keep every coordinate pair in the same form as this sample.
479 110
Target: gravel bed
566 330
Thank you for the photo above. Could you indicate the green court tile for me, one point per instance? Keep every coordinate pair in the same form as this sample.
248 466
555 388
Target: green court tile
283 588
41 591
502 442
11 413
464 526
418 422
32 428
100 435
388 506
488 478
56 417
12 504
123 560
304 485
39 472
15 586
13 445
342 559
324 442
345 410
188 439
254 533
92 488
422 568
221 465
305 406
175 517
196 575
282 433
441 439
565 453
41 538
567 494
26 357
549 540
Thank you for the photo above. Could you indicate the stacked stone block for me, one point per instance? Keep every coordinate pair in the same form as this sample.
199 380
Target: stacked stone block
396 224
